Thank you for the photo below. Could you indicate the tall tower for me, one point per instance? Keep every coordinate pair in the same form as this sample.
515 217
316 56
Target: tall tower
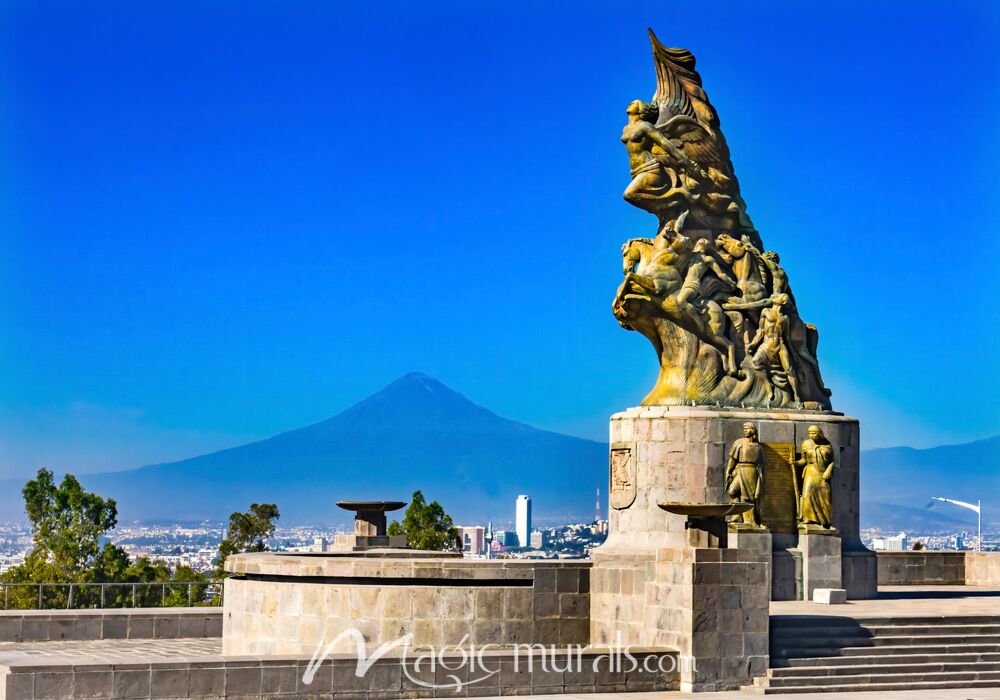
597 507
522 521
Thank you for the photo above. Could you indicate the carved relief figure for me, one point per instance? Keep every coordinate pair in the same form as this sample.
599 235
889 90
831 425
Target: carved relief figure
744 473
817 462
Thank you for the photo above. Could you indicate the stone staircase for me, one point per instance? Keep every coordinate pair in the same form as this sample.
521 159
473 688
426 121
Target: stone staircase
816 654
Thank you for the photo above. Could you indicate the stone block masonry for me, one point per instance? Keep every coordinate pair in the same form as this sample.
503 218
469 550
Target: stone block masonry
439 602
134 623
500 672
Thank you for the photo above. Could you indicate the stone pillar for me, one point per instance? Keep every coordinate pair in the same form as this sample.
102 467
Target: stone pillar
821 562
712 606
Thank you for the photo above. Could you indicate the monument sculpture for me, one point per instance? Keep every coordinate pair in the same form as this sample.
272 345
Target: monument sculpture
815 507
718 310
739 387
744 473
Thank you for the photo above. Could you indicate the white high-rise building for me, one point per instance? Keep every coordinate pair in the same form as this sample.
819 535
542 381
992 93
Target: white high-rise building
522 521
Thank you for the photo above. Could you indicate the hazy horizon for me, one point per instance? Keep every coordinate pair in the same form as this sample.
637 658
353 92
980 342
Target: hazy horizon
224 222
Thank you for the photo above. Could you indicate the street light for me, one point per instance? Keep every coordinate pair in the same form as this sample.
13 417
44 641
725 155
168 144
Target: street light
979 514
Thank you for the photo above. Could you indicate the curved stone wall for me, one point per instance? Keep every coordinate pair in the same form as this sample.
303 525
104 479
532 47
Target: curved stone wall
288 604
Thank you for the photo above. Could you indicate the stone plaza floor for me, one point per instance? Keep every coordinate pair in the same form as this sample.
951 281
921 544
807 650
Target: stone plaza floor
112 650
958 694
904 601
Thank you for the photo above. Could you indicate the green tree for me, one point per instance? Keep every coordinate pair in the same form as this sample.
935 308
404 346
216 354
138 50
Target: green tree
426 526
179 596
67 524
248 532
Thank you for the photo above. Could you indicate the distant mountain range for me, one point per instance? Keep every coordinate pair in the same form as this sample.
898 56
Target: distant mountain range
903 476
414 434
888 516
417 433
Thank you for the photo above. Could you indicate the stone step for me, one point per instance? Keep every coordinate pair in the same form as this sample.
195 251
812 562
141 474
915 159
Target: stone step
814 652
887 640
886 659
872 687
780 622
884 630
896 666
870 680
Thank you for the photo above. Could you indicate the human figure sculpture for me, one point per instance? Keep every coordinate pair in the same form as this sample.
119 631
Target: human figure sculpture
816 460
770 347
745 473
802 336
653 180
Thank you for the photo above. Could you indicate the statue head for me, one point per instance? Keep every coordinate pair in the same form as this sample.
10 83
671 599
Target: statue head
781 300
771 256
701 245
815 434
750 431
644 110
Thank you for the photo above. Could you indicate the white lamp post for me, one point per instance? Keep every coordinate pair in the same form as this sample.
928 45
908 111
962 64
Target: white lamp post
979 514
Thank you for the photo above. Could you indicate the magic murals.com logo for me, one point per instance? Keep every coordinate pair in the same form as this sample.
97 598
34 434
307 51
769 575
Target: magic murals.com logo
464 664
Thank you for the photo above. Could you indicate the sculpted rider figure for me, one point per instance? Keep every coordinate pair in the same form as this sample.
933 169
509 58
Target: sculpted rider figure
744 472
815 503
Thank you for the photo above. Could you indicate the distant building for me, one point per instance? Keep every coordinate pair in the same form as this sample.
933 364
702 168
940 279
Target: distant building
538 539
896 543
473 538
7 563
319 544
505 538
522 521
959 543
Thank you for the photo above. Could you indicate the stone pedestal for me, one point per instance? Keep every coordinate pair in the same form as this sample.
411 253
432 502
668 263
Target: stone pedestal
821 562
708 603
677 453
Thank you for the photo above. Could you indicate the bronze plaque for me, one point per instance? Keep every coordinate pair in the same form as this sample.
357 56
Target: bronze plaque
622 490
777 507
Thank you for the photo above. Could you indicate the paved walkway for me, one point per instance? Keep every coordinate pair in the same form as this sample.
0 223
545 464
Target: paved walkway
982 694
904 601
112 650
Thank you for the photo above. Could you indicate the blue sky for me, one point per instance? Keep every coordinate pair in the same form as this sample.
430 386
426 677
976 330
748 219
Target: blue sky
224 220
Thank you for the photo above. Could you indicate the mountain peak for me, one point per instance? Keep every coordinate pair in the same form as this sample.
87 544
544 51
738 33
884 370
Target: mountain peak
416 398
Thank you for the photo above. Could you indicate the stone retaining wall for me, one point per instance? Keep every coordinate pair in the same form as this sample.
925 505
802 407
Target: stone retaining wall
283 604
943 568
134 623
982 568
390 677
921 568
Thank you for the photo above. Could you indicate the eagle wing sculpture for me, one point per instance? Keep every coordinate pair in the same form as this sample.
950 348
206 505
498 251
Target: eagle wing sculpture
684 110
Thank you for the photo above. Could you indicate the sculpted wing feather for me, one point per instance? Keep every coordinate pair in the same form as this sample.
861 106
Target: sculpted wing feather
684 109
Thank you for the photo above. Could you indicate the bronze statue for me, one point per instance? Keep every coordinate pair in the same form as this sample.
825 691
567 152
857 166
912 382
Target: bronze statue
744 473
816 460
769 348
700 290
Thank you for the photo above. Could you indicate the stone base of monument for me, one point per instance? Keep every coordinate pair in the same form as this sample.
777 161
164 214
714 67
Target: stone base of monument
655 586
679 453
